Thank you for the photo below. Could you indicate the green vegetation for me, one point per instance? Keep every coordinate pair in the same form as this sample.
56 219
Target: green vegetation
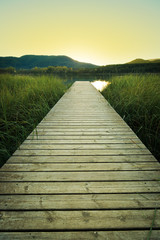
99 72
140 60
137 99
24 101
152 225
65 66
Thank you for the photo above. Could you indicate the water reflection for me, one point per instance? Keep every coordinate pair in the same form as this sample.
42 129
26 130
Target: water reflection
100 85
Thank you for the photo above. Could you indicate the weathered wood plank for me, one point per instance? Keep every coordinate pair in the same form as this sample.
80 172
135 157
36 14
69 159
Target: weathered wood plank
81 176
82 133
82 235
83 124
85 152
78 220
83 141
81 159
44 167
81 146
82 128
82 137
79 187
80 201
78 117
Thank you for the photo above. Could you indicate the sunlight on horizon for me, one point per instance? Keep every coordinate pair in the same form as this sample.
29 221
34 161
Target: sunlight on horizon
108 32
100 85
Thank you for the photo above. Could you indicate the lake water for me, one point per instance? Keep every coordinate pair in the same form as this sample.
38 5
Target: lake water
99 84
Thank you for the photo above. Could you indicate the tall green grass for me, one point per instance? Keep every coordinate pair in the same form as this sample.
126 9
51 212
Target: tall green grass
24 101
137 99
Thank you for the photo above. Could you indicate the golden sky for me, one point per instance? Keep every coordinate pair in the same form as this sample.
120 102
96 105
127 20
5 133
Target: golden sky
97 31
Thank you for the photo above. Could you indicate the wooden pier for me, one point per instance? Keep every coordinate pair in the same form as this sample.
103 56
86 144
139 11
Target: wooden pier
82 174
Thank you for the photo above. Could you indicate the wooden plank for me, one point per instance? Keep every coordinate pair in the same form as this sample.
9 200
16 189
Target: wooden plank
81 176
82 137
84 124
85 152
81 159
78 220
81 146
82 235
74 117
83 141
80 201
71 111
78 116
79 187
80 110
44 167
82 128
82 133
85 133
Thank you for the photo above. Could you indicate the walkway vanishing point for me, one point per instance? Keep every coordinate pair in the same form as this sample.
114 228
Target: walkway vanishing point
82 174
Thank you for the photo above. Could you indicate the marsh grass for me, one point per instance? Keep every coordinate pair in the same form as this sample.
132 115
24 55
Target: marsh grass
24 101
136 98
152 225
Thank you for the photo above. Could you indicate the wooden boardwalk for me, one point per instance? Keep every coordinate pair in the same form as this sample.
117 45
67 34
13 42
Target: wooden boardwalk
82 174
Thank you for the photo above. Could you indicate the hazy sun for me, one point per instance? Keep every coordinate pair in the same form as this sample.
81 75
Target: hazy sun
100 85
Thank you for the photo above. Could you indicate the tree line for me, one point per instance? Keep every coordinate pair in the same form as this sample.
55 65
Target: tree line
103 70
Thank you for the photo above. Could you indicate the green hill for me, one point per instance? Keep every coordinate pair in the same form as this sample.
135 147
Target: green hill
140 60
31 61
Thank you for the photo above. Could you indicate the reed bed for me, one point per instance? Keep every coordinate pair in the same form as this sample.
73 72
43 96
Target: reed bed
24 101
136 97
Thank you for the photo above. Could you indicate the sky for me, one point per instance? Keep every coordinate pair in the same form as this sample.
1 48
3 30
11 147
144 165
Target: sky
96 31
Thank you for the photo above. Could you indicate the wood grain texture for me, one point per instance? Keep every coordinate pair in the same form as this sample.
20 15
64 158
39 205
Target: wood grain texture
82 159
79 167
82 137
80 146
83 141
80 201
80 176
78 220
83 152
79 187
82 235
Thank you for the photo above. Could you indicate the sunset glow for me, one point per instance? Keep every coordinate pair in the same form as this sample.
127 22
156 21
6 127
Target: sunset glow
96 31
100 85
